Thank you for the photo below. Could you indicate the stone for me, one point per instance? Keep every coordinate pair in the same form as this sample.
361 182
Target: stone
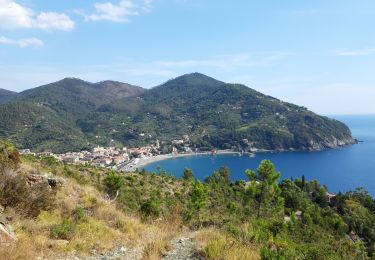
6 232
49 179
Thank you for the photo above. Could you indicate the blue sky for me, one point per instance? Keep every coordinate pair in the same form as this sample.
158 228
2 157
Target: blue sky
319 54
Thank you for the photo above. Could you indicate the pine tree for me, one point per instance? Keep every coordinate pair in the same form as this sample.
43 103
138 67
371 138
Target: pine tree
264 188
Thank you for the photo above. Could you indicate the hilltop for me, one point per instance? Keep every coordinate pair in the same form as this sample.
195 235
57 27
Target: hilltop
6 95
74 114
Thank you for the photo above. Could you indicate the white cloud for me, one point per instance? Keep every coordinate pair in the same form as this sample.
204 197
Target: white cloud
14 15
23 43
53 21
118 13
362 52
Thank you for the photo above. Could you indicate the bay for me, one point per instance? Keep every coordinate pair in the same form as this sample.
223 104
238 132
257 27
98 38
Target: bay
340 170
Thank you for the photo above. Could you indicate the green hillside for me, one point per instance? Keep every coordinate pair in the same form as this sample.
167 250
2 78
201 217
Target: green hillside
38 126
220 115
75 98
6 95
212 113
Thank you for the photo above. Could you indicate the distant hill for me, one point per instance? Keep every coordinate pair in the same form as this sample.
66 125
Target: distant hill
6 95
212 113
75 98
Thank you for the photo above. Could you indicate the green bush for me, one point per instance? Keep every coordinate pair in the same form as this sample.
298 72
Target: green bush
64 230
150 208
49 161
188 174
9 156
113 182
79 213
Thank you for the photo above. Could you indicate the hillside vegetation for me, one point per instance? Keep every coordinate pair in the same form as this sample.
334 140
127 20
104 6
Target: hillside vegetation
86 211
212 113
6 95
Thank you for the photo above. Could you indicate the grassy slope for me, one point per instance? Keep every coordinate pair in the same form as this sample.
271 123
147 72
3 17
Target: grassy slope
93 221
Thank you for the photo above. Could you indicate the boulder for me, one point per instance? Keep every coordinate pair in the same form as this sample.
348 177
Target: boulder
7 235
46 178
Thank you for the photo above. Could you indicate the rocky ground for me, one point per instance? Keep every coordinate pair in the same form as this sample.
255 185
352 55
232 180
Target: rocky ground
122 252
7 235
183 248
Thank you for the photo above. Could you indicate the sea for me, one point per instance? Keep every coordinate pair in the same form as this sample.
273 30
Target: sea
341 169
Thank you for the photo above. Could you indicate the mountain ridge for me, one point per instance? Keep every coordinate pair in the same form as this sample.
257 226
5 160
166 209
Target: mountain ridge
6 95
214 114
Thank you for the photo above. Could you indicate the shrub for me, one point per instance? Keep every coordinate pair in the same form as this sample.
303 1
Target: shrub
198 199
79 213
40 198
64 230
150 208
80 178
9 156
13 188
113 182
27 200
188 174
232 208
276 227
49 161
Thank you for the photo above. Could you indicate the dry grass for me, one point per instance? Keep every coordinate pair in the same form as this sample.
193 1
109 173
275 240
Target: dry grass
158 235
23 249
217 245
103 228
158 240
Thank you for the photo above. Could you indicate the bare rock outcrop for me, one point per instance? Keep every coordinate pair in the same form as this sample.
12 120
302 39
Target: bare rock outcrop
46 178
7 235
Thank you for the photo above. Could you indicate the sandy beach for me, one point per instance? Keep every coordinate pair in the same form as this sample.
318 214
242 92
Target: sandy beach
142 162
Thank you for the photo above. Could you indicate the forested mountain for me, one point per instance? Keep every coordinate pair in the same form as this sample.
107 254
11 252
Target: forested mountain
75 98
212 113
6 95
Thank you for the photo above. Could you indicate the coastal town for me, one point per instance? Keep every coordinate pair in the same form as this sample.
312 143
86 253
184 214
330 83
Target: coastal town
129 159
109 157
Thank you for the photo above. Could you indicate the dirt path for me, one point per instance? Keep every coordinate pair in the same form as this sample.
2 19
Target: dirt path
120 253
183 248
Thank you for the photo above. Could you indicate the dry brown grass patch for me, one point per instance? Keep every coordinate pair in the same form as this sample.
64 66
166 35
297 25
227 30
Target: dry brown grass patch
217 245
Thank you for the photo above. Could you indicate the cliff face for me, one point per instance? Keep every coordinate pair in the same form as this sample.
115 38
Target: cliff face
333 143
72 113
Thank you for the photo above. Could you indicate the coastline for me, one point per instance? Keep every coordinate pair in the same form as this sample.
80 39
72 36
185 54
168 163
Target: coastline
139 163
142 162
